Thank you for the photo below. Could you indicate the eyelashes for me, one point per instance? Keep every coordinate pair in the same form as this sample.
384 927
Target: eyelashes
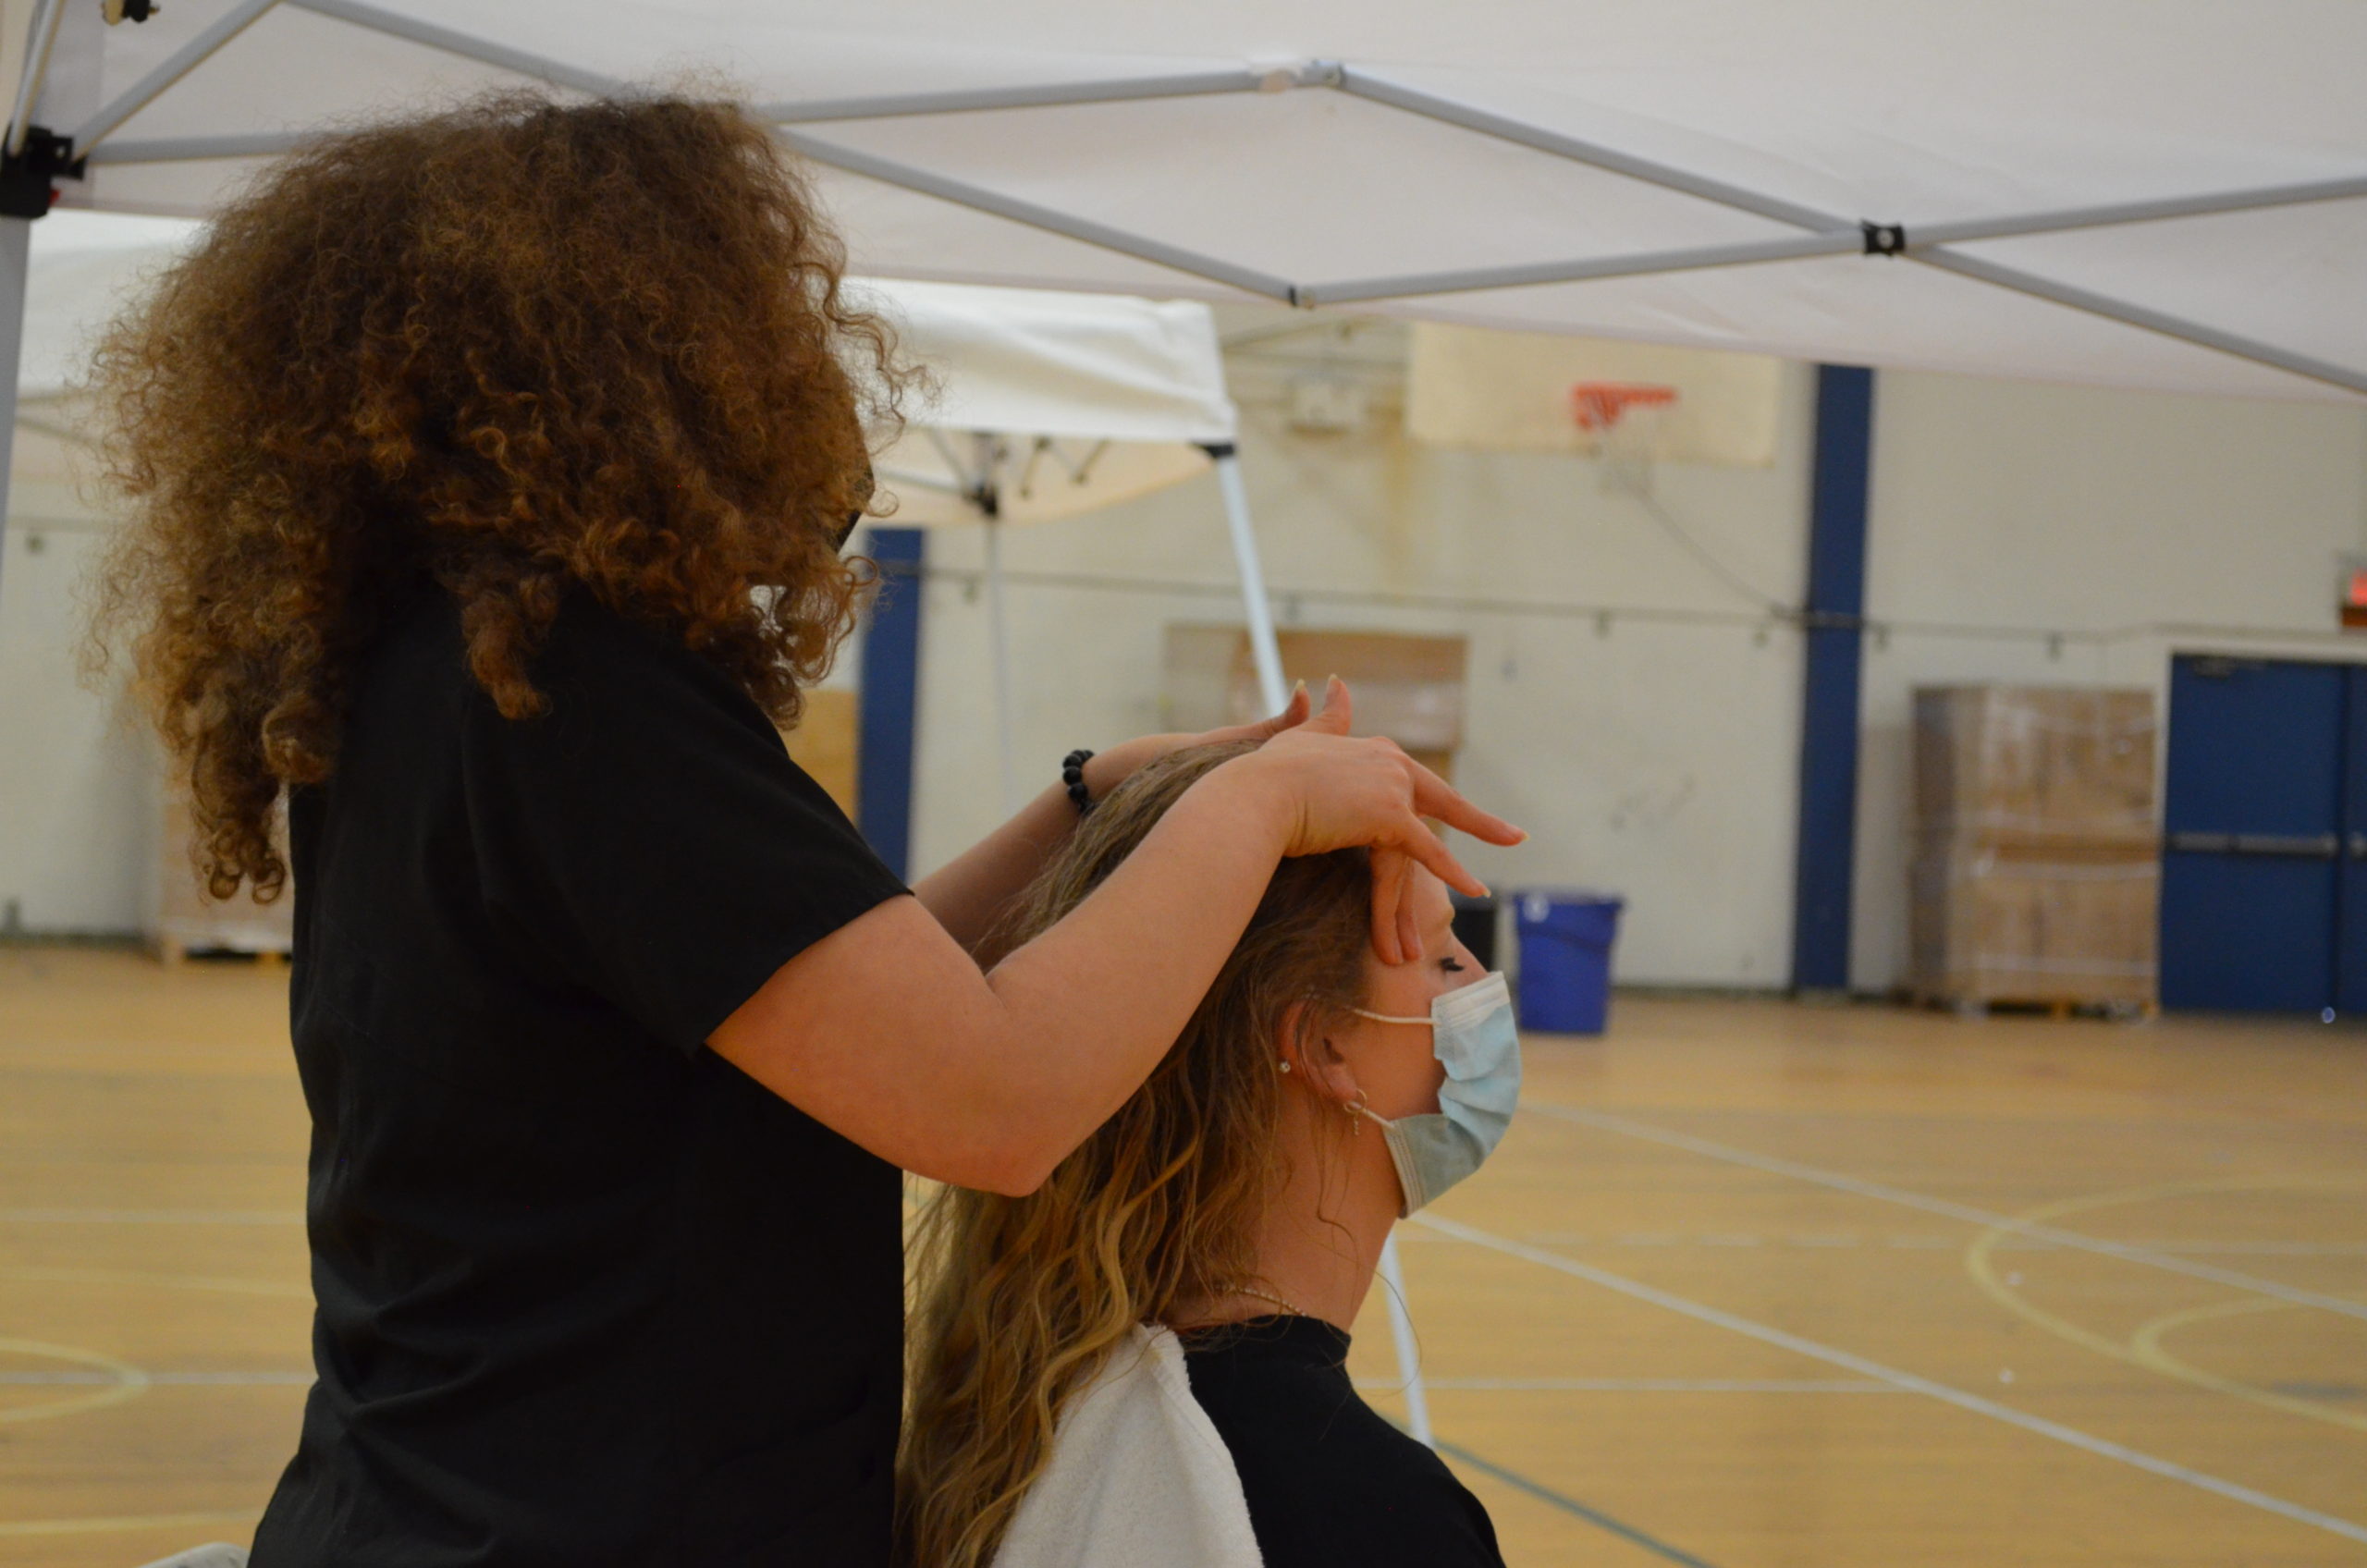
1451 966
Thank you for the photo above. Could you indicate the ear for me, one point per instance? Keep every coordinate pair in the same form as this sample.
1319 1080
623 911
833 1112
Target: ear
1310 1058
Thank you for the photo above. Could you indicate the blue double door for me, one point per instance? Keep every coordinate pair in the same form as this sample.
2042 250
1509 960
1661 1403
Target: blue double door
2264 848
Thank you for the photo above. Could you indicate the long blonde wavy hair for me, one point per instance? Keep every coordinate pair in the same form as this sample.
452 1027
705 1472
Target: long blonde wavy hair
1019 1300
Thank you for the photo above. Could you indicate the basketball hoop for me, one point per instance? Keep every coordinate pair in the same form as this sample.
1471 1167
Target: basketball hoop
1625 420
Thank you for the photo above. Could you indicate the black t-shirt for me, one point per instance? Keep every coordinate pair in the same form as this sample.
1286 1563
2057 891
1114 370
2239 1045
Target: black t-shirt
1328 1480
587 1293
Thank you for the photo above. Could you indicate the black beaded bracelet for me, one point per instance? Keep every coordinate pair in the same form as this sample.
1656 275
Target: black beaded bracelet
1072 775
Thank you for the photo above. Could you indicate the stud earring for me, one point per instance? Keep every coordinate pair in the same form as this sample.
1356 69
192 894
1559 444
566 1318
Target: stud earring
1282 1066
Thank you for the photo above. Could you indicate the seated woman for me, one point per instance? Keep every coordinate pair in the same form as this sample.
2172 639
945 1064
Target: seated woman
1142 1362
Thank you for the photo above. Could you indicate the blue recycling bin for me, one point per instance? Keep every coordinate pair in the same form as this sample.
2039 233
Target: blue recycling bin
1565 937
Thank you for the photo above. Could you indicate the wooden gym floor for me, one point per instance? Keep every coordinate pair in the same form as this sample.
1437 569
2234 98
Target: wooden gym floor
1749 1284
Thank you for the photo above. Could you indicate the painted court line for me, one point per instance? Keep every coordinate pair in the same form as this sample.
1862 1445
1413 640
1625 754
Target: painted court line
155 1379
109 1523
1950 1244
1767 1334
151 1217
1594 1516
1963 1211
1571 1505
1632 1385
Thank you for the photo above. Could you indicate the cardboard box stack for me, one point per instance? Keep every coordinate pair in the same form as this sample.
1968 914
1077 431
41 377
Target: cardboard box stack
2036 866
1409 689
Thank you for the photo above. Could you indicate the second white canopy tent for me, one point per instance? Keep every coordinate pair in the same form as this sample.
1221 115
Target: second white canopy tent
1048 405
1036 405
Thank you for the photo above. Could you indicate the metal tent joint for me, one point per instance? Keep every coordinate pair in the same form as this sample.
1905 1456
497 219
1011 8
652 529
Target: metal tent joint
1884 239
28 175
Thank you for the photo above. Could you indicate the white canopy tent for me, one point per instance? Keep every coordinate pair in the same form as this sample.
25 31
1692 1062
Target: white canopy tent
2165 193
1049 404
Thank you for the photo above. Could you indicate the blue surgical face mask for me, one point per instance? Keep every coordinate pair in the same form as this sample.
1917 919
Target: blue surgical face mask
1472 1034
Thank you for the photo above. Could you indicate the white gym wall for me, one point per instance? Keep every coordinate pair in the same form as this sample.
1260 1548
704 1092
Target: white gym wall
1657 758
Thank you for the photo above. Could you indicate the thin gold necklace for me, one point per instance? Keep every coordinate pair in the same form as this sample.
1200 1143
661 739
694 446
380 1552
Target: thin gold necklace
1269 1295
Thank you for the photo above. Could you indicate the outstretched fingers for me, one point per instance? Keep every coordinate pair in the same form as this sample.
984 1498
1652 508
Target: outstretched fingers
1423 845
1434 797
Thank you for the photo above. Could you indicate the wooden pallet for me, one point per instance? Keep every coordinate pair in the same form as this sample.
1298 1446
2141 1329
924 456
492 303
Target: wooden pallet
174 948
2126 1010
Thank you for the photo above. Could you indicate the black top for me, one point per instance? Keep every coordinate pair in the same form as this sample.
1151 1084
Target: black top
587 1293
1328 1480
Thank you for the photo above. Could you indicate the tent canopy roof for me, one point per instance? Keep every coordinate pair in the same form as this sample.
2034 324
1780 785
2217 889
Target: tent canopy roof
1034 362
1690 171
1090 399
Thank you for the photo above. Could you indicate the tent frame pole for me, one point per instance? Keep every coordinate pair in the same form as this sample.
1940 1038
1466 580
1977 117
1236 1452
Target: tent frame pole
468 46
1918 239
1048 95
41 42
182 61
195 149
2167 325
999 638
986 494
1358 83
16 252
1264 650
888 171
1409 1349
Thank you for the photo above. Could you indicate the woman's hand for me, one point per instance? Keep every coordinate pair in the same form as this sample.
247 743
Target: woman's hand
1113 767
1336 791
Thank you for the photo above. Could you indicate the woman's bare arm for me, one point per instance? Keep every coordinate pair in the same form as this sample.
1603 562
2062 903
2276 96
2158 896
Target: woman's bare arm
969 894
888 1031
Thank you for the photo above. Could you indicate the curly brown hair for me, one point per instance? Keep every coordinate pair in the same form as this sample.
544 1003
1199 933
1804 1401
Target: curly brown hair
506 348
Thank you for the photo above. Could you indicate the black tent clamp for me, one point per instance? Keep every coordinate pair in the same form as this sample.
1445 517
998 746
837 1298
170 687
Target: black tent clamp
27 176
1884 239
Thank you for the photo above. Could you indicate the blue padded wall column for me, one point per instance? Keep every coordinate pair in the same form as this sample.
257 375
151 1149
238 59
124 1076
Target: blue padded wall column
889 703
1834 624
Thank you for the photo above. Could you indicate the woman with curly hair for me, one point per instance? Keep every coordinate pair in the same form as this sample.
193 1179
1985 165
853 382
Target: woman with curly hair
488 475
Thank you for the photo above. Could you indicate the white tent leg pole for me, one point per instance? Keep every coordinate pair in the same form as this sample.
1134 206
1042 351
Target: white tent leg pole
15 241
998 634
1262 646
1409 1359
